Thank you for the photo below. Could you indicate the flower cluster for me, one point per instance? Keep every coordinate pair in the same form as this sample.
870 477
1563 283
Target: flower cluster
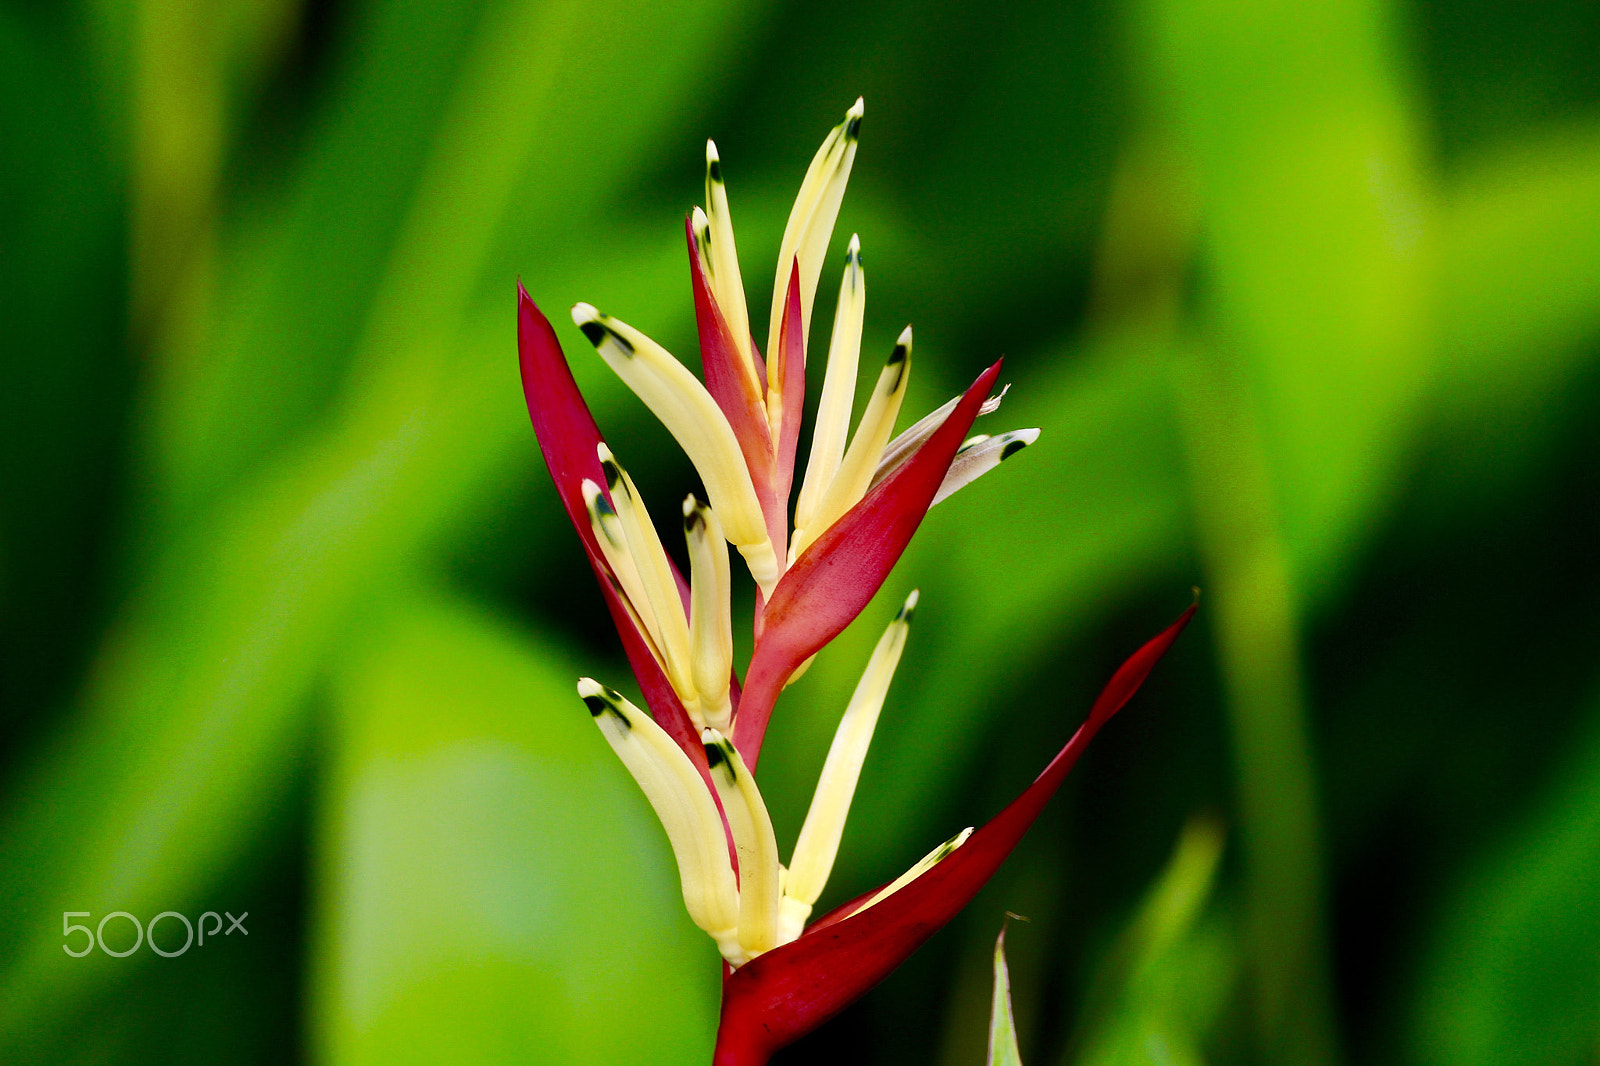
860 499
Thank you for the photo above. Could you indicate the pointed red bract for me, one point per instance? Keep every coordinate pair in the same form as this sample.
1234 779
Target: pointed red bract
567 437
843 569
789 991
561 420
791 363
736 391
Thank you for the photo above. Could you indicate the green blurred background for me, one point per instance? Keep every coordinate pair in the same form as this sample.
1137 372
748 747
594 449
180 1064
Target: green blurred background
1306 298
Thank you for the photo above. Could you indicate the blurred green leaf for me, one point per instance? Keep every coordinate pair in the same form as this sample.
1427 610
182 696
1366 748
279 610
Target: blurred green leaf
493 888
1520 262
1512 974
1317 249
195 720
246 372
1252 603
1318 239
63 410
1163 985
1002 1027
197 710
461 174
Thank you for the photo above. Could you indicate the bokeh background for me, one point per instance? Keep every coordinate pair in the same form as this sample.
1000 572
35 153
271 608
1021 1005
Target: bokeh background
1305 297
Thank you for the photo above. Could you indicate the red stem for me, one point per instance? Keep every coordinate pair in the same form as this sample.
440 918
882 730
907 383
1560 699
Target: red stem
744 1055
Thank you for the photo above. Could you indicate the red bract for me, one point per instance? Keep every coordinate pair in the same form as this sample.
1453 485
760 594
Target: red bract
845 567
568 438
695 753
779 997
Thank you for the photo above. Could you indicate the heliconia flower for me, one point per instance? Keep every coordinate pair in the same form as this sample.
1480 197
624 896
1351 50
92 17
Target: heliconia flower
861 498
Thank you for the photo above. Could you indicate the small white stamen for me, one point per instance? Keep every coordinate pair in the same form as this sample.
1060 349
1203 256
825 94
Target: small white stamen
923 865
979 456
710 613
613 540
753 837
812 218
687 812
904 446
818 845
838 388
861 459
660 588
728 286
684 406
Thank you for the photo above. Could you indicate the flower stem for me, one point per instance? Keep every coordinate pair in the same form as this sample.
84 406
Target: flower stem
738 1049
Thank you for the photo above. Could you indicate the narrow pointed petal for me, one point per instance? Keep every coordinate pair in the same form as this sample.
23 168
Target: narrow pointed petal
818 844
747 817
920 867
690 414
786 397
855 472
724 257
671 624
805 238
791 990
731 377
674 788
832 426
980 455
561 421
1003 1050
613 541
659 694
710 612
905 445
830 584
567 438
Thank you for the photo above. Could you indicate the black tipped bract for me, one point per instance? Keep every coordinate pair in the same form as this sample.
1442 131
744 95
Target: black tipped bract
1012 448
852 129
714 168
897 363
606 702
906 611
594 331
715 758
613 473
598 331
